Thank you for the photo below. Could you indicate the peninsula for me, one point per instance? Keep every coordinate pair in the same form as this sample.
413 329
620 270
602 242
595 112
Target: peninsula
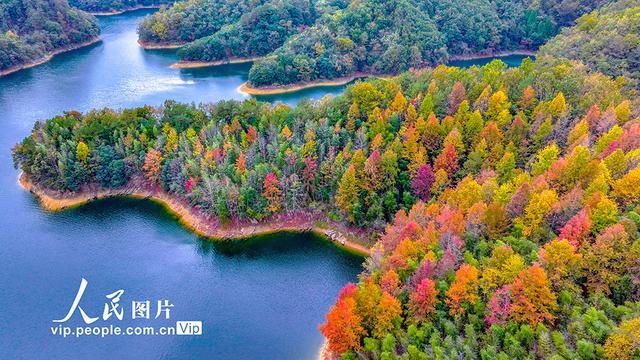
503 201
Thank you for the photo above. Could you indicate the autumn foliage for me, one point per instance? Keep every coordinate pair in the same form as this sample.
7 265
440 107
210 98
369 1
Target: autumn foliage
504 203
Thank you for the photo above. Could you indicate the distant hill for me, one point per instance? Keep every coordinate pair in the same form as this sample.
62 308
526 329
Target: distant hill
607 40
30 30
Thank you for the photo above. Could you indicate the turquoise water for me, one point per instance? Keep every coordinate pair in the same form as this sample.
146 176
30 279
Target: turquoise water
261 299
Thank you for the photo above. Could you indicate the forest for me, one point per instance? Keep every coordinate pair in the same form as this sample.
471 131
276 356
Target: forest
31 29
193 19
257 33
607 40
303 41
114 5
387 37
504 200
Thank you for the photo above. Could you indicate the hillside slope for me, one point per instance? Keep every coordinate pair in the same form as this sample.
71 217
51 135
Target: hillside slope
30 30
607 40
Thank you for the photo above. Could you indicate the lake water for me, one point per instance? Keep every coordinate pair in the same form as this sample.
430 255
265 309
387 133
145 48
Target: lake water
260 299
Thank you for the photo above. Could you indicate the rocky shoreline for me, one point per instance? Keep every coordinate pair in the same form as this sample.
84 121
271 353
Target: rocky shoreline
196 221
273 90
200 64
120 12
148 46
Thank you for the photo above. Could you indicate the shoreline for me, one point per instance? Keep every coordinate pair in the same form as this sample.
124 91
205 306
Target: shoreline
49 56
158 46
120 12
245 88
195 221
186 64
492 55
324 353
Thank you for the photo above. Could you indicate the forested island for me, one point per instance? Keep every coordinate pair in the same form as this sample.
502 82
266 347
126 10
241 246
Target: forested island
107 7
31 31
302 41
607 39
511 197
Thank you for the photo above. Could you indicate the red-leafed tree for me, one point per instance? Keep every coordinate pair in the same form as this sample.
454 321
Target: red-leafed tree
458 95
499 306
422 182
447 160
422 301
577 229
309 175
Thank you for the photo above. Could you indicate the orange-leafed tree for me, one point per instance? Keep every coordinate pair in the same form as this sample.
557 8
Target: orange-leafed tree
390 281
532 298
152 165
463 291
241 164
343 329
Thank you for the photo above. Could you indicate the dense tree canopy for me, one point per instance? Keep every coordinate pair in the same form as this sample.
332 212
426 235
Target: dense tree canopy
383 37
511 198
305 40
30 29
193 19
257 33
607 40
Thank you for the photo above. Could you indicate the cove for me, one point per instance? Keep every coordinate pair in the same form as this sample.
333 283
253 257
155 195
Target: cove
258 299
